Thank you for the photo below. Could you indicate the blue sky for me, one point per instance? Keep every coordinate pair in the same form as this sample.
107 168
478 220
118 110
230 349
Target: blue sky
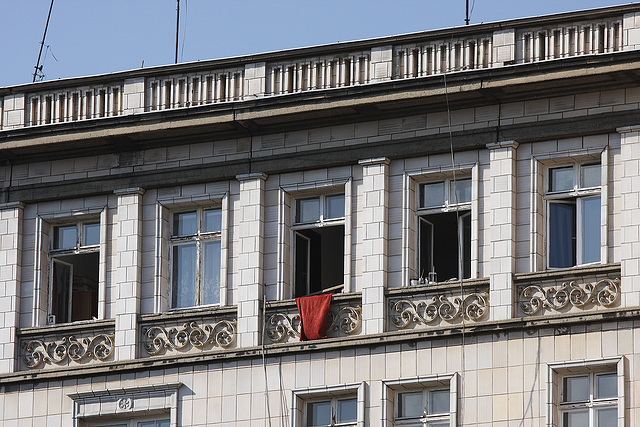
88 37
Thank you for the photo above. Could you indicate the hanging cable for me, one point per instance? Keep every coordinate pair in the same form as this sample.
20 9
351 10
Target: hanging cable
458 228
184 28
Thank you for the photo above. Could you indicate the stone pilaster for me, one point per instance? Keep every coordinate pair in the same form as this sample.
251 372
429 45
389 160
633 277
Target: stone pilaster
128 271
502 169
629 218
250 238
375 195
10 266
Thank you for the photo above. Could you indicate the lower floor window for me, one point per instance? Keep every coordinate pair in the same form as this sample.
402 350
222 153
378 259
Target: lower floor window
135 423
422 408
332 412
589 400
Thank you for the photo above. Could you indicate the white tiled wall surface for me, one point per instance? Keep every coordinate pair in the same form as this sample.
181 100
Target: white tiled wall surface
502 379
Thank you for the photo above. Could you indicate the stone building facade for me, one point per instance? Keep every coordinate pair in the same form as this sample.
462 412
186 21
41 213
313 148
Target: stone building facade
471 196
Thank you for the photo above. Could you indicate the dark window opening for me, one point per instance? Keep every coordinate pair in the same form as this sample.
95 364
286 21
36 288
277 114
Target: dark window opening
439 252
75 287
319 259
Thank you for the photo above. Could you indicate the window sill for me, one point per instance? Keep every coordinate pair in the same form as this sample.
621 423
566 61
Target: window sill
577 271
180 313
62 328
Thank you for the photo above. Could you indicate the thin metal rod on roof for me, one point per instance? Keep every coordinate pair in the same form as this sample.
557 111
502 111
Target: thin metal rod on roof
466 20
38 67
177 29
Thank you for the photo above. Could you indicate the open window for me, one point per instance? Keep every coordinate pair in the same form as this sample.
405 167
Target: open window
319 251
195 251
573 215
74 272
444 230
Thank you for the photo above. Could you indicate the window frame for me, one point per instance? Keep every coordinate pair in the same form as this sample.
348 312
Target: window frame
538 207
200 238
302 397
392 388
322 222
333 401
413 178
558 371
575 196
449 204
287 227
79 249
44 234
165 210
133 422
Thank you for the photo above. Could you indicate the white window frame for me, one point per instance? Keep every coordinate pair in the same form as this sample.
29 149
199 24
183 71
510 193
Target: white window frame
134 422
124 405
301 397
392 387
540 164
79 249
577 194
165 210
199 239
288 194
45 223
559 370
321 222
412 212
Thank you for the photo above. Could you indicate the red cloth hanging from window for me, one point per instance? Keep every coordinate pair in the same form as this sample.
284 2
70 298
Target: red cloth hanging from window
314 311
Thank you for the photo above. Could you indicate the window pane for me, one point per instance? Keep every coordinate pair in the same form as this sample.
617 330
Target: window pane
210 287
319 413
185 224
163 423
589 176
410 404
147 424
608 417
561 179
606 386
590 212
575 389
575 419
212 220
462 191
432 195
334 206
347 409
183 276
65 237
438 424
562 232
308 210
438 402
91 234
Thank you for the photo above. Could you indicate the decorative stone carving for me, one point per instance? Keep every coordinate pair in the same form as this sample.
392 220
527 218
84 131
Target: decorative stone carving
37 352
534 298
473 307
159 338
280 326
125 404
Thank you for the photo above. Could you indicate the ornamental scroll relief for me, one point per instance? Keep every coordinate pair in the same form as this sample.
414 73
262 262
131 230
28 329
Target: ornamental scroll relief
68 349
533 298
158 338
404 313
281 326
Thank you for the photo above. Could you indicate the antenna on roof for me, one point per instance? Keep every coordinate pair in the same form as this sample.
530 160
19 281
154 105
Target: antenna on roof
38 66
466 20
177 29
